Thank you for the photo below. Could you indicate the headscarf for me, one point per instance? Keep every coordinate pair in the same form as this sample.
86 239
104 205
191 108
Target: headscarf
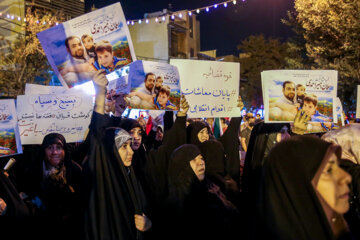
128 123
288 206
121 136
192 131
181 175
348 137
115 194
214 155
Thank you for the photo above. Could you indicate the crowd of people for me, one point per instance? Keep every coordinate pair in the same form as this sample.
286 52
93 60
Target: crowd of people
183 180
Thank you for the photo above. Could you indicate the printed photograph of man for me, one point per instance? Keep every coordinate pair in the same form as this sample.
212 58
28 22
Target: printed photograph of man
284 108
149 84
77 57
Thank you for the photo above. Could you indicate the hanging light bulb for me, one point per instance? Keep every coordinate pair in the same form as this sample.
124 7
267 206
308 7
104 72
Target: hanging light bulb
140 21
128 22
7 15
225 4
146 21
132 22
197 11
19 18
163 18
172 17
156 19
215 6
207 9
180 15
190 13
12 17
234 2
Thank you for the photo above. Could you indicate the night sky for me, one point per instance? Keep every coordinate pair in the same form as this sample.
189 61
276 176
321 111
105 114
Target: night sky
222 28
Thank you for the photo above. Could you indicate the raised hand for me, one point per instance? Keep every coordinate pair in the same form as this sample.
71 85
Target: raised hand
184 107
301 122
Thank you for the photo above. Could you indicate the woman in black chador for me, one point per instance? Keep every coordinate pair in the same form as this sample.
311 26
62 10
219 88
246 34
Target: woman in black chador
304 193
198 209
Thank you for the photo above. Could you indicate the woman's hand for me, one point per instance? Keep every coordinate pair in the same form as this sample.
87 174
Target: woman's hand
184 107
142 222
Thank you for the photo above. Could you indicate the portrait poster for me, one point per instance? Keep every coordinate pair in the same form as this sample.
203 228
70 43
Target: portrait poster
97 40
211 88
154 86
358 102
285 92
68 114
10 142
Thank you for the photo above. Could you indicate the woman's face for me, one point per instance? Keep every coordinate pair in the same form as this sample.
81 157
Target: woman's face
55 154
203 135
198 166
333 186
126 153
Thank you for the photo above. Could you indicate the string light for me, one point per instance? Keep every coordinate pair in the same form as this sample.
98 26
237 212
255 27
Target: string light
190 13
140 21
156 19
147 21
207 9
234 2
198 11
180 15
215 6
163 18
172 17
225 4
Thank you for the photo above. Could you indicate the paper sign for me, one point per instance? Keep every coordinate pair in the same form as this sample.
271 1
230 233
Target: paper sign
10 143
98 40
211 88
287 91
68 114
33 89
154 86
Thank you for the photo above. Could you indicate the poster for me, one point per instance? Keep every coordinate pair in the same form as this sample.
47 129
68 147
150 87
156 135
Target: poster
98 40
285 92
154 86
10 143
68 114
358 102
211 88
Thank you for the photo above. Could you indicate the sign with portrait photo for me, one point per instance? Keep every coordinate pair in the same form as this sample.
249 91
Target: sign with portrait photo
211 88
10 143
154 86
98 40
285 92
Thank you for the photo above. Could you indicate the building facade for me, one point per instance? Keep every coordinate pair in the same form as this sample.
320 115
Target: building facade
164 35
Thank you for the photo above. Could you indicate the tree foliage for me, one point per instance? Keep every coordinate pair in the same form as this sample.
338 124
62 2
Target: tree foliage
258 54
330 32
26 59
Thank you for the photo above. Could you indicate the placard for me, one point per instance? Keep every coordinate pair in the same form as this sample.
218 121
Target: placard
98 40
154 86
285 92
211 88
10 143
68 114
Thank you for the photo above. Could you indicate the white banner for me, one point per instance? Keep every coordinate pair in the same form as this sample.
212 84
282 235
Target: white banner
211 88
68 114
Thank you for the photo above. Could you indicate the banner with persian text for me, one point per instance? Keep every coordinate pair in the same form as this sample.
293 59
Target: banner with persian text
211 88
68 114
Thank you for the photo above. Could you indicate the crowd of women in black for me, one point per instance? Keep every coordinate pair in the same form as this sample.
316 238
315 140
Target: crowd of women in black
121 183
